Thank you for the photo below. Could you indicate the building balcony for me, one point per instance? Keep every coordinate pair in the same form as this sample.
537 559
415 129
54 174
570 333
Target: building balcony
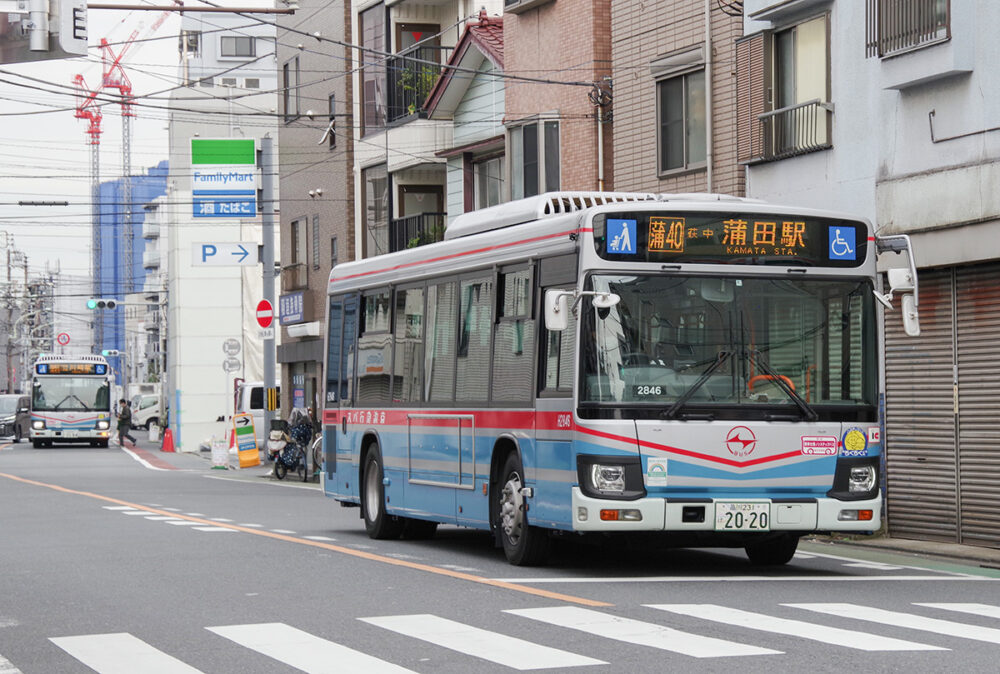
150 229
416 230
150 259
411 75
897 26
294 276
794 130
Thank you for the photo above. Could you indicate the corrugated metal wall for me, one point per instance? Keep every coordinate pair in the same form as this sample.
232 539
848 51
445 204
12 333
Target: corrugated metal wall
942 402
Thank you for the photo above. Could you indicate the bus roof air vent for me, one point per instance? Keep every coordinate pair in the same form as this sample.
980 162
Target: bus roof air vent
546 205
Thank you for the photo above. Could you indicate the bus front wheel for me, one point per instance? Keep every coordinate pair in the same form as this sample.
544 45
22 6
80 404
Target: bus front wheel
523 544
773 551
378 523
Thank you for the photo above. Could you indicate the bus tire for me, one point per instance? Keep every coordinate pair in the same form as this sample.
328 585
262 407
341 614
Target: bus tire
37 444
773 551
378 523
418 530
523 544
102 443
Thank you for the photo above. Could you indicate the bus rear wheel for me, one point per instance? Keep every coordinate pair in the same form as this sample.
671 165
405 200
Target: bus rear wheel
773 551
378 523
523 544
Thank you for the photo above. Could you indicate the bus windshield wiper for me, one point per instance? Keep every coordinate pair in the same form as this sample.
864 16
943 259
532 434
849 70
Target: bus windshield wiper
756 356
679 403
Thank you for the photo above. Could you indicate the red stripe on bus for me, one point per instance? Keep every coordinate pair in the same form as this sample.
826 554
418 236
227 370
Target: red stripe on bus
456 255
688 452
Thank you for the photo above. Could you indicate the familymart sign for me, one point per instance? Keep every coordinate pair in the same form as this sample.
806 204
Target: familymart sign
224 177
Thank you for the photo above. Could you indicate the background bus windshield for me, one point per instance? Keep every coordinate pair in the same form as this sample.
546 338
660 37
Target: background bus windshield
709 342
70 394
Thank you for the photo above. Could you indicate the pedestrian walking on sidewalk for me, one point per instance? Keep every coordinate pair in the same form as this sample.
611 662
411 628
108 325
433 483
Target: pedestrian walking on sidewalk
124 422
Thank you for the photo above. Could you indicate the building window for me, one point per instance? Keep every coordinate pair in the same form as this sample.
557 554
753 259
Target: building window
252 83
375 183
238 45
783 109
206 82
680 112
488 181
290 88
534 152
227 82
190 42
315 242
894 26
331 128
372 27
333 252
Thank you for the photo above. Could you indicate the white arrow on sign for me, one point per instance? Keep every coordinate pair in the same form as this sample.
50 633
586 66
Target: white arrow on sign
231 253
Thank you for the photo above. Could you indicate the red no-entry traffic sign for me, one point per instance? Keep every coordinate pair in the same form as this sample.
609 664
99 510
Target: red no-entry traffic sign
62 338
265 314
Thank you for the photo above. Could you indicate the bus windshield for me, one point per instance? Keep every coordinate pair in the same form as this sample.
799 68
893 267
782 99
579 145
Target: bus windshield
727 346
70 394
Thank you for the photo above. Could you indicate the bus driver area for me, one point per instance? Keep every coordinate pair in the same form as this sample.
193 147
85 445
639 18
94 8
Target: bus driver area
699 365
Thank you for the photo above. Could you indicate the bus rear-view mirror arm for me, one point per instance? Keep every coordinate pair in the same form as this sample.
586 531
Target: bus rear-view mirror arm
558 308
902 281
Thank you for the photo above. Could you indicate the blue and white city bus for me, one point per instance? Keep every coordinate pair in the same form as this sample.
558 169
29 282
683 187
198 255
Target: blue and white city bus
71 400
702 366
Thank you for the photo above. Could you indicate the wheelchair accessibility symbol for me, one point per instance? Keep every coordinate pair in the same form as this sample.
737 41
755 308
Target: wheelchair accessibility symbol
842 243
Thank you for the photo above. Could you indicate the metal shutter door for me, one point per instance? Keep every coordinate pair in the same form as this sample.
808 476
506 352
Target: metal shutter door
978 319
920 417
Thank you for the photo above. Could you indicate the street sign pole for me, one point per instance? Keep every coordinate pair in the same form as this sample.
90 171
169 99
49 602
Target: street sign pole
267 259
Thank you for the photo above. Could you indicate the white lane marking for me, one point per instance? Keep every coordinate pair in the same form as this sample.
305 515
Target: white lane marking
136 512
195 514
173 510
499 648
804 555
119 508
233 531
6 667
220 519
794 628
141 460
975 609
842 558
282 531
162 518
304 651
638 632
182 523
737 579
121 653
252 526
319 538
874 565
907 620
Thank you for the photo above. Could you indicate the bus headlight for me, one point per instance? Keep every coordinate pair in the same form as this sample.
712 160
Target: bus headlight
38 424
862 479
608 478
103 424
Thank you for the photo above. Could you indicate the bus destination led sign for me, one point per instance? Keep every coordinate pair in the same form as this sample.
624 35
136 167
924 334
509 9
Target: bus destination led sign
71 368
731 239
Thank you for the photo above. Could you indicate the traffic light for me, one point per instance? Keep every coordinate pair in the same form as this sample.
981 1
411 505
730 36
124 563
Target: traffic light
110 352
102 303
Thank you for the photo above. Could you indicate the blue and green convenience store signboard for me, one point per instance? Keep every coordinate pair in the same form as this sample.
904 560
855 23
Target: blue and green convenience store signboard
224 177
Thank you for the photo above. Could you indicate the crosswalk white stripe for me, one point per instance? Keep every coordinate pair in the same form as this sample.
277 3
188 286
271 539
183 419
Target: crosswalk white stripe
874 565
304 651
638 632
162 518
499 648
908 620
794 628
119 508
182 523
136 512
975 609
232 531
6 667
121 653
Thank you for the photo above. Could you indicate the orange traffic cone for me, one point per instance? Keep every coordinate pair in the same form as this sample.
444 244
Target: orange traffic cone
168 441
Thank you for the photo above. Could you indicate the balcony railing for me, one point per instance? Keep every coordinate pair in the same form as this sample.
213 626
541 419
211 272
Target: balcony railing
411 75
294 276
795 130
416 230
893 26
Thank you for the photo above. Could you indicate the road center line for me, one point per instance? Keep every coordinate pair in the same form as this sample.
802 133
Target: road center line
416 566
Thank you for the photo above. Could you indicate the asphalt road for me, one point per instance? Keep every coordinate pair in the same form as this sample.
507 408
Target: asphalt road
115 561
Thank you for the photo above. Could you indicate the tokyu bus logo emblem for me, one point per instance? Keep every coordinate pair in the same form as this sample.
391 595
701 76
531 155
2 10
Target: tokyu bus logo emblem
740 441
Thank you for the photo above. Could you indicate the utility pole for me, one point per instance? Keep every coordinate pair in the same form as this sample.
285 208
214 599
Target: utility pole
267 260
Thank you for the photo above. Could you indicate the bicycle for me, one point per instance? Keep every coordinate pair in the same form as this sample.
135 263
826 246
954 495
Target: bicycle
292 457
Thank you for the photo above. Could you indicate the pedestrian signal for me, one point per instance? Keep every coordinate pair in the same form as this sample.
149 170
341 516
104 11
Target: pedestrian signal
101 303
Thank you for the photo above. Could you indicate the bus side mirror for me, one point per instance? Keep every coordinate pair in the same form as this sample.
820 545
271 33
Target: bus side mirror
901 281
911 320
557 310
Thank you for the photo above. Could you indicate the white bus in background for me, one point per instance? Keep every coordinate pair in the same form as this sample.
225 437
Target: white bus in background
71 400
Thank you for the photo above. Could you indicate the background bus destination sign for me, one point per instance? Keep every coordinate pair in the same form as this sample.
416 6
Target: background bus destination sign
730 238
71 368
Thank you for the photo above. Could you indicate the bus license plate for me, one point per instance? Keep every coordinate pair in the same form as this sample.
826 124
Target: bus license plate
731 516
71 434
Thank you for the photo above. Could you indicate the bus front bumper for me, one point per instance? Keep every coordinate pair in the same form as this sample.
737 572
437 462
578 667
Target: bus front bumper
678 514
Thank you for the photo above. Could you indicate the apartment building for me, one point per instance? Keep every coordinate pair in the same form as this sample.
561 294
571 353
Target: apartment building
891 109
